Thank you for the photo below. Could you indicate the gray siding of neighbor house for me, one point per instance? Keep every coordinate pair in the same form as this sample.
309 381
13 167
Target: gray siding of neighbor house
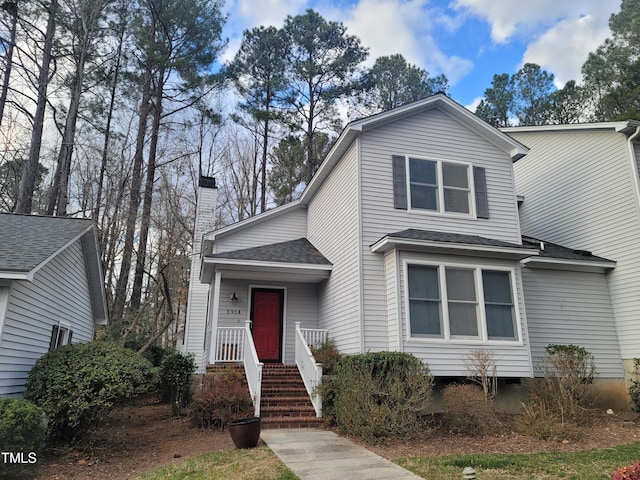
301 305
290 225
59 293
333 227
436 135
446 358
580 191
571 308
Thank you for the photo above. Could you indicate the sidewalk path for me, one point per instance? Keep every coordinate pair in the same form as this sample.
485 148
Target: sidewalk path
314 454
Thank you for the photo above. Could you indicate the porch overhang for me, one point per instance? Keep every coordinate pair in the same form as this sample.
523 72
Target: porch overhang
451 244
264 271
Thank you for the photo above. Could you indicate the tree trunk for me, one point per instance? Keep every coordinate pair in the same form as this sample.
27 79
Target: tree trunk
112 101
120 293
136 293
12 8
28 180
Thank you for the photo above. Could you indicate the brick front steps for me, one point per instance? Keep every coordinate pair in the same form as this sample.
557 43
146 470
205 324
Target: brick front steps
284 401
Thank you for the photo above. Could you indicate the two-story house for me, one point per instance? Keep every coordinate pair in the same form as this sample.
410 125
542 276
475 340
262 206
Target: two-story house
406 239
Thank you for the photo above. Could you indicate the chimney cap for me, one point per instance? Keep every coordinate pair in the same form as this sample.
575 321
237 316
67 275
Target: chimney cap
207 182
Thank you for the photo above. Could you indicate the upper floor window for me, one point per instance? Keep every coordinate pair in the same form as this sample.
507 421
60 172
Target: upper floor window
439 186
452 302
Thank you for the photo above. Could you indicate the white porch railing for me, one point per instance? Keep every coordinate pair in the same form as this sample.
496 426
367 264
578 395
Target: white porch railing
310 370
235 344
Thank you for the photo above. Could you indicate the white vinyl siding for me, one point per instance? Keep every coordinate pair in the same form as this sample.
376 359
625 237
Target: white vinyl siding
571 308
290 225
301 305
333 228
579 191
59 293
445 356
433 134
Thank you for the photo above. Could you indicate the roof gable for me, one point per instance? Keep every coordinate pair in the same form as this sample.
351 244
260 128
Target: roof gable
438 101
29 241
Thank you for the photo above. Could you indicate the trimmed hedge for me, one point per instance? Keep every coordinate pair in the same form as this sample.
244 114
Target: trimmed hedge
379 395
78 384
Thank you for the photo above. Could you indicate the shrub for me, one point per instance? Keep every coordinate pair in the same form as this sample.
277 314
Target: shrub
223 397
467 410
569 372
175 379
21 426
634 387
379 395
631 472
540 416
327 354
482 369
78 384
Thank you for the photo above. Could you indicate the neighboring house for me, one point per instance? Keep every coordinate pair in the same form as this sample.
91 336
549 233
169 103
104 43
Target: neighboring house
51 290
406 239
580 189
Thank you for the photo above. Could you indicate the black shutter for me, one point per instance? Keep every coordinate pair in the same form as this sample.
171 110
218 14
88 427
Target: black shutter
482 199
70 335
54 337
399 182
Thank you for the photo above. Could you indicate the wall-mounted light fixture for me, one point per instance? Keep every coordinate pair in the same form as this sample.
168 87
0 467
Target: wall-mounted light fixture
234 298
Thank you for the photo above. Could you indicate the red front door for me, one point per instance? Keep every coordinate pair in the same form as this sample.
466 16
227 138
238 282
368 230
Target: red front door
266 314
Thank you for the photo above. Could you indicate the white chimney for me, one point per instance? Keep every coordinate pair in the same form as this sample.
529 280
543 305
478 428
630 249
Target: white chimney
198 292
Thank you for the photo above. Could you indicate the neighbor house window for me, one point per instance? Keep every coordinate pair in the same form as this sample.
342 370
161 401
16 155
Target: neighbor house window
61 334
439 186
452 302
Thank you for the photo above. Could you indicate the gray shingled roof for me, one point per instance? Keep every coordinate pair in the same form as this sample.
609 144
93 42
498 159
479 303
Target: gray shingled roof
553 250
293 251
28 240
431 236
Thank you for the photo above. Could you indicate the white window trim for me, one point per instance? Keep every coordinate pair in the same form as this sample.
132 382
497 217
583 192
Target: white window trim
446 335
440 187
64 340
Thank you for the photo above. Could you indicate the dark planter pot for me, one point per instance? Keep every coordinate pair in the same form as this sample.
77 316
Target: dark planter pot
245 432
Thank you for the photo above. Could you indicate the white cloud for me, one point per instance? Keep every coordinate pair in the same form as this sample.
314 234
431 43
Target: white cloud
247 14
564 48
474 104
387 27
509 18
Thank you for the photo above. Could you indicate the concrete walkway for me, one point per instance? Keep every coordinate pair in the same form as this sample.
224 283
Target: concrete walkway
314 454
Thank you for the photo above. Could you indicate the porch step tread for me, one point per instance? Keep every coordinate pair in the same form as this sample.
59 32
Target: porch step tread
289 379
291 422
287 392
286 400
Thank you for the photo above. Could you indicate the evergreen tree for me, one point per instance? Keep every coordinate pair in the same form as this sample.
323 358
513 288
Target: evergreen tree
322 61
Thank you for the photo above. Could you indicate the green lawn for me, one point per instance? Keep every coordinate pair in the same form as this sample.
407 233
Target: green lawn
253 464
261 464
589 465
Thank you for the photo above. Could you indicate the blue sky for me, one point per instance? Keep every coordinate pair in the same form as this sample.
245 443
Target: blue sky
467 40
